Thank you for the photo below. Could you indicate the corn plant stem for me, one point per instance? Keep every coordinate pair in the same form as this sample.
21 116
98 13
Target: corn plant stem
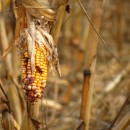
85 36
33 110
83 41
3 91
10 102
121 109
59 18
81 59
7 50
13 98
85 92
87 97
124 123
20 93
67 22
31 118
27 123
16 63
8 121
77 19
4 43
20 24
90 63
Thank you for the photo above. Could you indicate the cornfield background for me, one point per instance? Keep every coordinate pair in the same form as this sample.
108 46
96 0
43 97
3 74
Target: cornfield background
93 42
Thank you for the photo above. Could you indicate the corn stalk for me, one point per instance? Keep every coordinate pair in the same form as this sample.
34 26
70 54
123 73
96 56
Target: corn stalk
13 97
37 51
90 62
59 18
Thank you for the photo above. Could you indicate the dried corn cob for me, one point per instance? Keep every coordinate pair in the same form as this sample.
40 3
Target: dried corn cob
34 82
37 51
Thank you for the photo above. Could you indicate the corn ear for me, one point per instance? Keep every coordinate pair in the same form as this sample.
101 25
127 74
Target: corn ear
34 82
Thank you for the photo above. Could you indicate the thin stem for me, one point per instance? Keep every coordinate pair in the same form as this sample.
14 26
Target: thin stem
86 13
117 116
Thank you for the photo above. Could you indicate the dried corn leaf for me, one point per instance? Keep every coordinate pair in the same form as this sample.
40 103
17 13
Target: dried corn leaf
40 39
48 36
30 48
39 9
32 34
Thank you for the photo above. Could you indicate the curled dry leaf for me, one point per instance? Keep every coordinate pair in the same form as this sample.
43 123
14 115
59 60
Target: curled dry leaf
48 36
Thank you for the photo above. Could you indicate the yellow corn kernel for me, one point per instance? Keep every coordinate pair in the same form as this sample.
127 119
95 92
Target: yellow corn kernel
37 64
36 76
37 61
38 85
37 54
44 77
35 81
44 74
33 84
33 75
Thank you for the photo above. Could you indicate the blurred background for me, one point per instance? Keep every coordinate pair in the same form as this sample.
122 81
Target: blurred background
62 97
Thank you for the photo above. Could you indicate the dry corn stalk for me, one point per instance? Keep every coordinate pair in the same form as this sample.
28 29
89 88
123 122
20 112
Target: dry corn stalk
37 51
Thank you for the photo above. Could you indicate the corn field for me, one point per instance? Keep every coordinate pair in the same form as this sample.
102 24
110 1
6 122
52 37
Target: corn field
64 65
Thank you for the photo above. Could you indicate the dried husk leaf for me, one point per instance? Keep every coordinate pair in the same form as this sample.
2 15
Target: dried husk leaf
39 9
32 34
